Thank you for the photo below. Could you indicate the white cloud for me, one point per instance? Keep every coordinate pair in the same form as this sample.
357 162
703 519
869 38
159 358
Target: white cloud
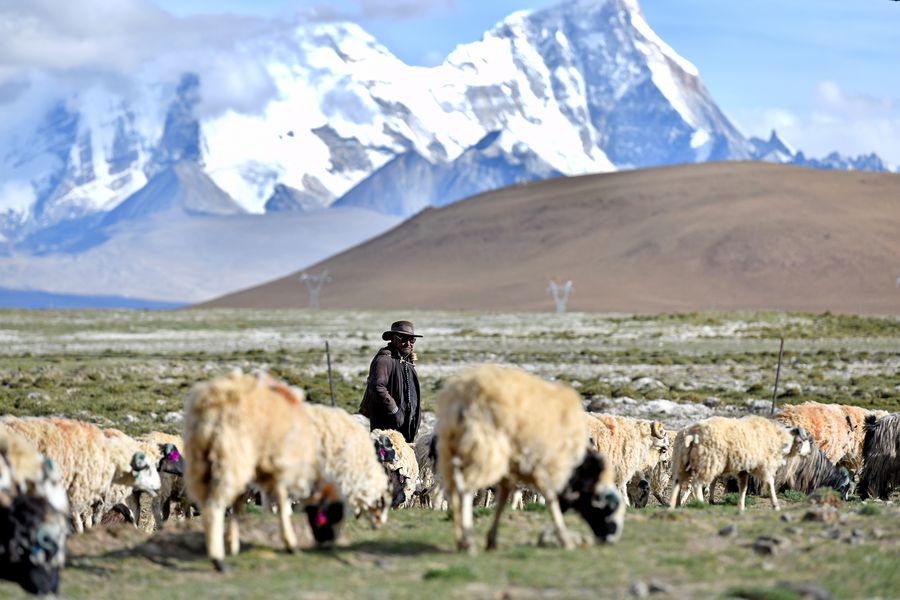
833 120
127 43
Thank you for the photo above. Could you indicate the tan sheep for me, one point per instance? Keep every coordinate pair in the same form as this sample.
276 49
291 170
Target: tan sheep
839 430
750 446
402 470
32 472
87 462
501 426
631 445
346 456
242 429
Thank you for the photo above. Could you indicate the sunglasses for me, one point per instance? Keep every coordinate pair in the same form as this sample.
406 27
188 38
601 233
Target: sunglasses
406 338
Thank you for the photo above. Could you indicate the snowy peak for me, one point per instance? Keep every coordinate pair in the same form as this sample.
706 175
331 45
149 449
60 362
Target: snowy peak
180 189
180 140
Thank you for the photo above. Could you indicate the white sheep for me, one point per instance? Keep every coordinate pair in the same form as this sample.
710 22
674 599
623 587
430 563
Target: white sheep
242 429
88 464
631 445
750 446
345 455
402 469
501 426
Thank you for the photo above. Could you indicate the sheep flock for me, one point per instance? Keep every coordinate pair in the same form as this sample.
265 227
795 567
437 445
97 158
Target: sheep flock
499 432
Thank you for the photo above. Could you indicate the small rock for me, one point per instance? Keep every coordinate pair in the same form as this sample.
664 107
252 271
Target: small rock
853 540
787 518
831 534
729 530
639 589
806 591
858 533
658 587
575 384
766 545
794 530
767 565
712 401
173 417
758 406
822 514
878 533
129 418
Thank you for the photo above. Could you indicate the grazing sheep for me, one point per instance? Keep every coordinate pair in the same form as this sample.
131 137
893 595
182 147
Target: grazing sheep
429 491
165 451
402 469
501 426
33 515
88 464
742 447
346 457
811 472
124 496
837 429
242 429
631 445
881 457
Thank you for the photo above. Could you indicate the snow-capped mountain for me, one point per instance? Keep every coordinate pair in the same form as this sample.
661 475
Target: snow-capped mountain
585 86
409 183
582 86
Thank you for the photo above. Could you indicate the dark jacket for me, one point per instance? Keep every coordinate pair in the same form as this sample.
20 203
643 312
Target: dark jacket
385 402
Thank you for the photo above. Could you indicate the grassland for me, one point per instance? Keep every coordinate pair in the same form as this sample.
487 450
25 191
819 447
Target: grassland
132 370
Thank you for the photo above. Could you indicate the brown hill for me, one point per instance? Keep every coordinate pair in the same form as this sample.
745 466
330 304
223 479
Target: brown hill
716 236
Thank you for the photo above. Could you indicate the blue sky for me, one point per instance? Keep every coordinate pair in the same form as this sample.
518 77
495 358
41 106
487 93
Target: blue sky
824 73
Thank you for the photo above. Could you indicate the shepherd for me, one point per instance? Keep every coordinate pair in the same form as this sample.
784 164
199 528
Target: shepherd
391 399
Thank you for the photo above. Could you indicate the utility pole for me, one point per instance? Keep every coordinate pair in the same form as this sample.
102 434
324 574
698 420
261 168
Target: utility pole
560 294
314 284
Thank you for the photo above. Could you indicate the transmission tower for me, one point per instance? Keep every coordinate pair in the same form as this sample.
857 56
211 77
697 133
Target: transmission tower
314 284
560 294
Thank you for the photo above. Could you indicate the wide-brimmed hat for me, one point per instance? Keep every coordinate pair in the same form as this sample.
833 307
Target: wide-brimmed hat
400 328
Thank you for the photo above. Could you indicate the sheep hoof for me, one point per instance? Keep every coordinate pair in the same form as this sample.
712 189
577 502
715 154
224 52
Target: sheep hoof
220 565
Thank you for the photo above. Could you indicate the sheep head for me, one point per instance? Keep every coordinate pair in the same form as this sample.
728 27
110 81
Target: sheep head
33 544
596 500
325 510
144 474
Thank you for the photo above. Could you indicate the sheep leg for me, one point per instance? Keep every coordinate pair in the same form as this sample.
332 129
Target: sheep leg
558 523
675 498
160 511
743 479
213 524
503 489
284 515
771 481
232 534
517 501
698 492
